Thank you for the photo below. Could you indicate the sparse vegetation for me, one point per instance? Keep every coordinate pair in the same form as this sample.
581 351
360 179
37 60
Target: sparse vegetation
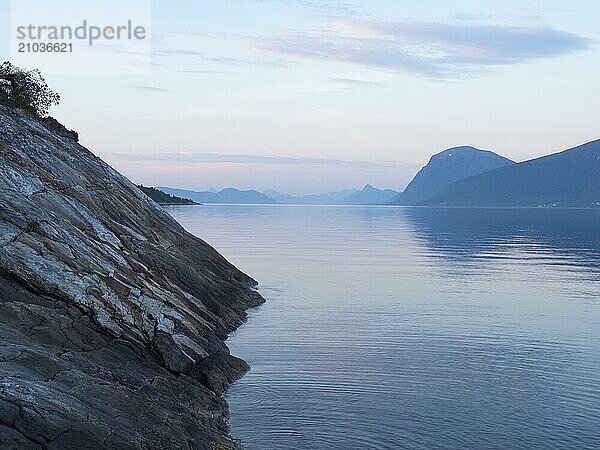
163 198
26 90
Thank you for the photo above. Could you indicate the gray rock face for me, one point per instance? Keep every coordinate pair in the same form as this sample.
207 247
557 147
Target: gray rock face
112 317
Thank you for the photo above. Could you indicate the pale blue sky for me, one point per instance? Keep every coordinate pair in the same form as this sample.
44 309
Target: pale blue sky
315 95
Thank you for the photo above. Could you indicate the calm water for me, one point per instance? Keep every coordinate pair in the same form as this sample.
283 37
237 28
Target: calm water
414 328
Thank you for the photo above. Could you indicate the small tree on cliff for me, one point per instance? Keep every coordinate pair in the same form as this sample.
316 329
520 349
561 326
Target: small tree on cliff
26 89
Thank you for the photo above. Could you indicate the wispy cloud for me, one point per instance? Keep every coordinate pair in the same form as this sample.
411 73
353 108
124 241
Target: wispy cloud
177 52
211 158
353 82
243 62
202 57
434 50
295 175
200 71
150 88
331 8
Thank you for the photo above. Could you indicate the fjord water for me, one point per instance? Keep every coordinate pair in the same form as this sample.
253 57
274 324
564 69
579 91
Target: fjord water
390 327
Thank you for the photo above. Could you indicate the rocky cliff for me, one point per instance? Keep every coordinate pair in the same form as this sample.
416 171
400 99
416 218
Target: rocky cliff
112 317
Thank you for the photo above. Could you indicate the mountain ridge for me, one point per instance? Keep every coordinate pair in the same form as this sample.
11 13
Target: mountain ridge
163 198
370 195
329 198
446 167
439 182
566 178
227 195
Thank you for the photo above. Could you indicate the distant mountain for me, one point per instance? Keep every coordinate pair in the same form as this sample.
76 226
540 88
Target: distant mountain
331 198
163 198
229 195
279 197
570 178
371 196
447 167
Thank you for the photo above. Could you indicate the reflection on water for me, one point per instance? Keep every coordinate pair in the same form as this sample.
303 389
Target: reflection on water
410 327
564 237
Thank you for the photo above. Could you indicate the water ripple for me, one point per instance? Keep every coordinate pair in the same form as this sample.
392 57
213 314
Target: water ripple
413 327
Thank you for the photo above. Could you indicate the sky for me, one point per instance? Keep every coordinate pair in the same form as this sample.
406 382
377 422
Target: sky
311 96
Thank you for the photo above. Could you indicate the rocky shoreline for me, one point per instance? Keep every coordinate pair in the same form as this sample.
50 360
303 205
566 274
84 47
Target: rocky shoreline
112 317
